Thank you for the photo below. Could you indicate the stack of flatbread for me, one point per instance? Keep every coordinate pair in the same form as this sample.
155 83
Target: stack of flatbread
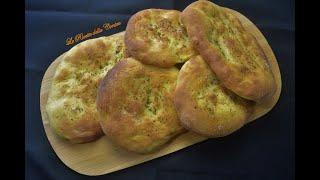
169 72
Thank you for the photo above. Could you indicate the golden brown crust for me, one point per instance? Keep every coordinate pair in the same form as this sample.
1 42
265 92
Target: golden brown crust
135 103
156 37
71 104
232 52
204 105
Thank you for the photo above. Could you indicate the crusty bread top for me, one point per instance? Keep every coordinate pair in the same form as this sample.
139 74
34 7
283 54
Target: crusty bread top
231 51
156 37
135 102
71 103
204 105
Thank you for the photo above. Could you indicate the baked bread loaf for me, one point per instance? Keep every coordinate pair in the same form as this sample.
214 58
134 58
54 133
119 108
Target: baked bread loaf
156 37
204 105
135 103
128 86
232 52
71 106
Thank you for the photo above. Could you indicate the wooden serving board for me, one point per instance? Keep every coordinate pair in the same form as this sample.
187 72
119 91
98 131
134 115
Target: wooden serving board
101 157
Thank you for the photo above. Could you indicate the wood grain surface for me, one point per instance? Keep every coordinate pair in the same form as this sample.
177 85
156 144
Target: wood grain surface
102 157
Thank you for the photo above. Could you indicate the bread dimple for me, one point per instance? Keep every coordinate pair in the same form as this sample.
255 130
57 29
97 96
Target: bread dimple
204 105
156 37
231 51
135 102
71 104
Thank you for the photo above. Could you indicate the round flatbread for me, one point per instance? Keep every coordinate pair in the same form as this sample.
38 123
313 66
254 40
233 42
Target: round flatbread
204 105
71 106
135 102
232 52
156 37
